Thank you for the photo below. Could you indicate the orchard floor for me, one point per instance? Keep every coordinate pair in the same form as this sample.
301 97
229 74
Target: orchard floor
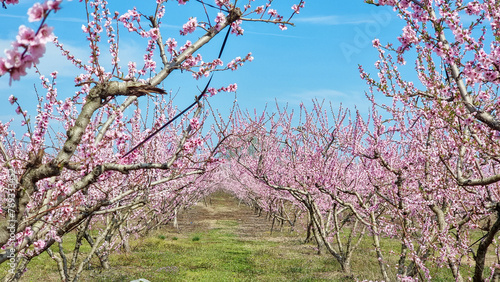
222 241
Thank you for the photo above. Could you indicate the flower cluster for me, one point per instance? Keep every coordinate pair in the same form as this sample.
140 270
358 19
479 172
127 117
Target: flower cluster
206 68
238 62
9 2
192 144
220 20
189 27
230 88
29 46
222 3
171 44
236 28
128 19
296 8
195 123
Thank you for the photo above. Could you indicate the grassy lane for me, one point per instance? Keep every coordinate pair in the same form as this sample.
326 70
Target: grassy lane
223 241
220 241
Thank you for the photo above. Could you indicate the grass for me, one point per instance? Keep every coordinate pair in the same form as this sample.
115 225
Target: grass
222 246
217 255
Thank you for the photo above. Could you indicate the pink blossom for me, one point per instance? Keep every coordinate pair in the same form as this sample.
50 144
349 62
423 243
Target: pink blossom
171 44
36 12
36 52
221 3
260 9
186 45
212 91
26 36
182 2
12 99
10 1
232 87
12 59
272 12
236 28
473 8
296 8
45 34
220 20
189 27
52 5
491 75
39 244
195 123
28 232
3 68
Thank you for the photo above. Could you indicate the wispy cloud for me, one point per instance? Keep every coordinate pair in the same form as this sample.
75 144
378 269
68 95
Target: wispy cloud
13 16
273 34
333 20
75 20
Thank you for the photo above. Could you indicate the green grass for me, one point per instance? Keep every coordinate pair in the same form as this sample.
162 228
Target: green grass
217 255
221 252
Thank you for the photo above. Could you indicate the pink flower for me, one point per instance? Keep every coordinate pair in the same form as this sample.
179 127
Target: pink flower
28 232
11 1
13 59
36 13
187 45
491 75
45 34
3 68
39 244
182 2
171 44
296 7
473 8
260 9
212 91
16 73
189 27
220 20
26 36
221 3
36 52
52 5
236 28
272 12
195 123
12 99
232 87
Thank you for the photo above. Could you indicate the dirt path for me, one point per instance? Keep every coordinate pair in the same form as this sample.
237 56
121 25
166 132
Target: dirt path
220 208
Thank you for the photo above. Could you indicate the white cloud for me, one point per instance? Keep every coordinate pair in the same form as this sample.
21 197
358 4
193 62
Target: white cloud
334 20
273 34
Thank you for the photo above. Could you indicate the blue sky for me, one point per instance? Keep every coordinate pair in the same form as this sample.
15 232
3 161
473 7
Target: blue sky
318 58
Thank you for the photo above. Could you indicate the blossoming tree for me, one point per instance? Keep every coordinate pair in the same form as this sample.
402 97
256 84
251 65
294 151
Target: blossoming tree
456 94
89 170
